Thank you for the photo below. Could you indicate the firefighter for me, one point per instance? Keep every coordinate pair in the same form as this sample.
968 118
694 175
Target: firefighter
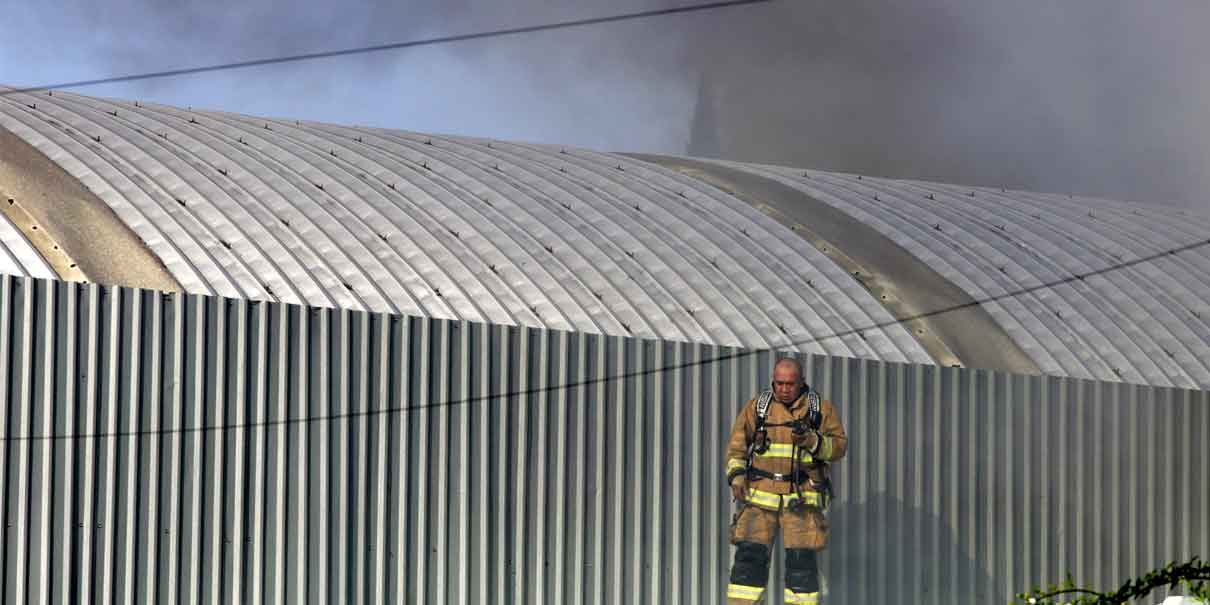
777 465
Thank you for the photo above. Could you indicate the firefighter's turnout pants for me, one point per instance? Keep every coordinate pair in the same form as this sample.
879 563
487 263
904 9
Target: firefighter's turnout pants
804 532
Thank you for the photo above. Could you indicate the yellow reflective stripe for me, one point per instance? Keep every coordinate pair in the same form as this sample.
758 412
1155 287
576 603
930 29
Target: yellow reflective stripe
796 598
745 593
764 499
734 464
785 450
778 450
808 497
825 449
773 501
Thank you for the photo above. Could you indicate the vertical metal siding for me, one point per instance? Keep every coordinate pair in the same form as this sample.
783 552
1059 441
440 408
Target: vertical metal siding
197 449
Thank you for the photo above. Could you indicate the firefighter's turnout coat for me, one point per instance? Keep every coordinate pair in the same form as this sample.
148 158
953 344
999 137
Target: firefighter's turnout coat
772 494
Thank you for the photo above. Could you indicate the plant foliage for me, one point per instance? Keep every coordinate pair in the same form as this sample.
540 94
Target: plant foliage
1193 576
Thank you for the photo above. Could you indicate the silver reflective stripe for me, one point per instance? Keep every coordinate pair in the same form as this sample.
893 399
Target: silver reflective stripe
762 405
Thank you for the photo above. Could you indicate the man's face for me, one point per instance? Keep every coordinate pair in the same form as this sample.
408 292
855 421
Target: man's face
786 382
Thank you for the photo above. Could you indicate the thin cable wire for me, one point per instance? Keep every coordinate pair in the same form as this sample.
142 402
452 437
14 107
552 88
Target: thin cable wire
606 379
385 47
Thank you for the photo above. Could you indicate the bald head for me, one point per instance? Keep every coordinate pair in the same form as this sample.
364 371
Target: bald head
791 363
787 379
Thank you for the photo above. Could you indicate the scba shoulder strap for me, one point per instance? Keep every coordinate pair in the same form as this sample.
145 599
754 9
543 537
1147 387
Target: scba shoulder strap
762 408
760 437
814 410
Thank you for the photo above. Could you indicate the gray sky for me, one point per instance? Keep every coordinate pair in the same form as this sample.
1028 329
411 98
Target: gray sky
1098 97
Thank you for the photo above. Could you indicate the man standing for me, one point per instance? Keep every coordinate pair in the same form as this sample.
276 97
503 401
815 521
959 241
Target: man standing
777 465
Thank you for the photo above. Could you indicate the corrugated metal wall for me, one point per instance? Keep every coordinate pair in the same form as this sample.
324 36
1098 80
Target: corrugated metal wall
196 449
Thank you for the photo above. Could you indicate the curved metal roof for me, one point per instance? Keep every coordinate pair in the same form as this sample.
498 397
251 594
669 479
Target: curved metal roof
453 227
17 256
510 233
1145 322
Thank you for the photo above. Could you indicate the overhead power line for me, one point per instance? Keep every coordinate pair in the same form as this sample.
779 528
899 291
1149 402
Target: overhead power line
606 379
361 50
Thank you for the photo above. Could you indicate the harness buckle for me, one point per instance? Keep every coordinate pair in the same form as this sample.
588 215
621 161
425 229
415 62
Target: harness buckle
760 441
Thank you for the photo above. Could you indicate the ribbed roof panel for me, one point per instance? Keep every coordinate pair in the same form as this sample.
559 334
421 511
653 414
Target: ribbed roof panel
1040 262
453 227
17 256
517 234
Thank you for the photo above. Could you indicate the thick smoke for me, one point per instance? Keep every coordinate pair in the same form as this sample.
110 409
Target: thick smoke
1097 97
623 86
1081 96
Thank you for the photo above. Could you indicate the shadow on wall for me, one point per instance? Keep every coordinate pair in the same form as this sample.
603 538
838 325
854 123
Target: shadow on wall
884 550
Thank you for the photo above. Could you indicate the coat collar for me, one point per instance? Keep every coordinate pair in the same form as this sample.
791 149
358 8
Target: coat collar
797 403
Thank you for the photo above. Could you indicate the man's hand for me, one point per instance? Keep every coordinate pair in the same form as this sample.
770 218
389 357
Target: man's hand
739 488
808 440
